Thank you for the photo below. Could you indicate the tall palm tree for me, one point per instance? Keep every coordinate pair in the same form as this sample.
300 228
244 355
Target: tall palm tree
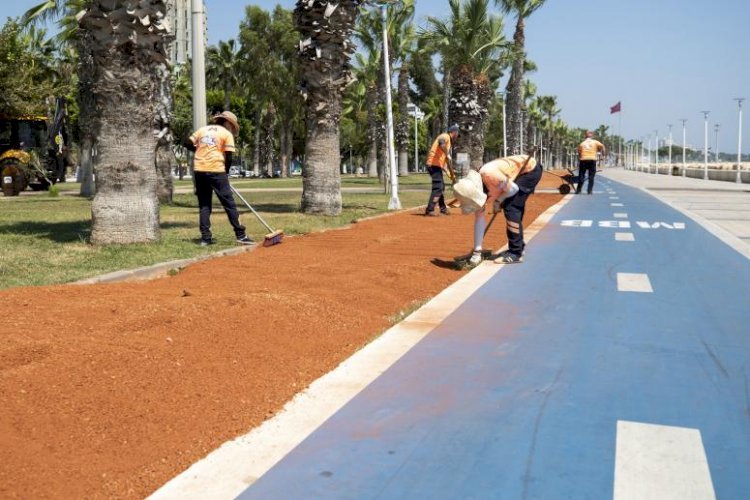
367 71
325 50
522 9
222 61
472 45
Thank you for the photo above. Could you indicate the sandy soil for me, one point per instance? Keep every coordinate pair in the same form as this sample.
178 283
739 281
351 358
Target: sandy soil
111 390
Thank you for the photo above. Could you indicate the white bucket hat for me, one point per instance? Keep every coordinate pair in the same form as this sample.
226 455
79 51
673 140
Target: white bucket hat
470 193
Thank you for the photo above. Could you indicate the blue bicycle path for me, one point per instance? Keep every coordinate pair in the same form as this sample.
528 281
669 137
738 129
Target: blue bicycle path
518 393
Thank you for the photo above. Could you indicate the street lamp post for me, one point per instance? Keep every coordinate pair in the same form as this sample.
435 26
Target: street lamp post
716 142
199 66
670 146
705 144
417 113
394 203
739 140
684 145
505 137
656 152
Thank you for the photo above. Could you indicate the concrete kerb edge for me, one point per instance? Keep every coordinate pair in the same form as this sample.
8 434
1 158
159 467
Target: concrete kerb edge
163 269
235 465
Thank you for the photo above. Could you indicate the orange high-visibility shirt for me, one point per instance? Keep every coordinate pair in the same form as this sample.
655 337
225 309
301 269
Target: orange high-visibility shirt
588 148
497 174
436 157
211 142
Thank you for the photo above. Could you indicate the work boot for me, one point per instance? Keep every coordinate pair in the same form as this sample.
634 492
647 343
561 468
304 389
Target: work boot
205 243
476 258
245 240
431 214
444 211
509 258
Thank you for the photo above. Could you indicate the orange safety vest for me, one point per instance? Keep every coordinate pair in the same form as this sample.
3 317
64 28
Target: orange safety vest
436 157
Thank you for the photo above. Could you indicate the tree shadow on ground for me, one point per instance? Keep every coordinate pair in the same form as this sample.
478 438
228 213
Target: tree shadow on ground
275 208
59 232
65 232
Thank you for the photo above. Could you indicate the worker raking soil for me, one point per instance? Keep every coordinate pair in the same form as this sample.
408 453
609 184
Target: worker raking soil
503 184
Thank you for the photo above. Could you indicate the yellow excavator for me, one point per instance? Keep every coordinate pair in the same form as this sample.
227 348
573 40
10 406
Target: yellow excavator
32 150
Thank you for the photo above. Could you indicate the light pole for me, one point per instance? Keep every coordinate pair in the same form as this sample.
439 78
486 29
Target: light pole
739 140
414 111
684 145
705 144
716 142
656 152
505 138
670 146
199 66
394 203
649 155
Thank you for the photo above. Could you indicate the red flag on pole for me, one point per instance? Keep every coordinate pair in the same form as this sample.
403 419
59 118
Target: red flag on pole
615 108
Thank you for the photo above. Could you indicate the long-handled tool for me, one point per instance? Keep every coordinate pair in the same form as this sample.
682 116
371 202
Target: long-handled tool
272 238
462 260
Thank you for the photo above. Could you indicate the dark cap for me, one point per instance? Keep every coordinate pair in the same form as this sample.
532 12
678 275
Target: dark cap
453 128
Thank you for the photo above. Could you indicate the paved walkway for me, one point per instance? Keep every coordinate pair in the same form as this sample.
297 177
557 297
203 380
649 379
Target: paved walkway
612 364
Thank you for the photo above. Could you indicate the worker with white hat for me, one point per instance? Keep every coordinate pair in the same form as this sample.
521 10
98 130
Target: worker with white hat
502 184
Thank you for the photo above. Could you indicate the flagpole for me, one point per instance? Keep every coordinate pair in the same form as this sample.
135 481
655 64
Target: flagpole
619 136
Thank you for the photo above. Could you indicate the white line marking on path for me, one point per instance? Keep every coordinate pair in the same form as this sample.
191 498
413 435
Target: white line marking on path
659 462
624 237
614 197
621 215
633 282
616 205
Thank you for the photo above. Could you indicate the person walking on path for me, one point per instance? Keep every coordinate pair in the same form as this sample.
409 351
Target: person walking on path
587 151
213 146
439 159
503 184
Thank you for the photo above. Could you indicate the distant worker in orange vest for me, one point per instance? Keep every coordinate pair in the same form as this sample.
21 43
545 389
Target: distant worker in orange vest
587 151
439 160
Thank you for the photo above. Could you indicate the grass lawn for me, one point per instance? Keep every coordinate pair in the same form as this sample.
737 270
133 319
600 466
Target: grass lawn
44 240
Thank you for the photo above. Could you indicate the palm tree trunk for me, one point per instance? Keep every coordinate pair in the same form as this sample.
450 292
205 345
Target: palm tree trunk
371 97
321 181
256 148
324 67
402 127
86 165
446 96
515 90
165 163
128 49
469 108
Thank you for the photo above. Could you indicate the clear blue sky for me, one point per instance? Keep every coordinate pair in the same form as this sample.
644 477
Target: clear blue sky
664 59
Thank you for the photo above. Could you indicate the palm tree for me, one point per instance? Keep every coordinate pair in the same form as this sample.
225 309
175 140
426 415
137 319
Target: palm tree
223 61
471 42
367 70
325 49
522 9
124 98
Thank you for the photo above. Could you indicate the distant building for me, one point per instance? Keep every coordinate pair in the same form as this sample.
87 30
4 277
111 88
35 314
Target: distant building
179 14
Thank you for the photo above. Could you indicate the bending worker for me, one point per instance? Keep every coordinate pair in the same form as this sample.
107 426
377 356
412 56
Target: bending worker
587 151
213 146
502 184
439 159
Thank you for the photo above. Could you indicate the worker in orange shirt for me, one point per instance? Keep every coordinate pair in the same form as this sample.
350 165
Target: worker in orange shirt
503 184
587 151
439 160
213 146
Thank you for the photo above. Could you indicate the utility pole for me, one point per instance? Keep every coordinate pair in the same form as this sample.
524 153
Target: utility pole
670 147
199 66
705 144
716 142
684 145
739 140
394 203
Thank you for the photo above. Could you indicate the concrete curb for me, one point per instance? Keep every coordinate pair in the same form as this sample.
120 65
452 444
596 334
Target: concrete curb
159 270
